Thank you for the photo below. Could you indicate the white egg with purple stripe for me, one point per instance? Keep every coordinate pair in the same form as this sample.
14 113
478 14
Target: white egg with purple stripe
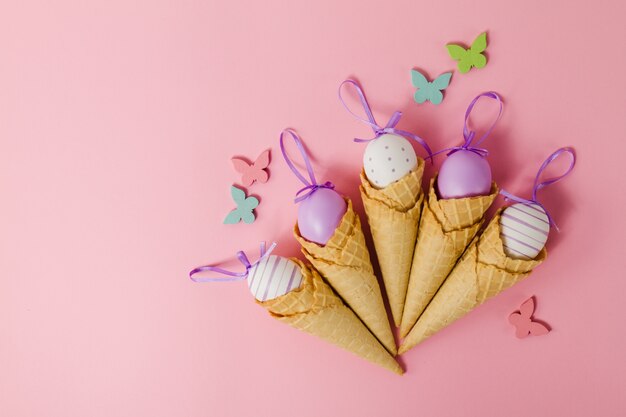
274 276
524 230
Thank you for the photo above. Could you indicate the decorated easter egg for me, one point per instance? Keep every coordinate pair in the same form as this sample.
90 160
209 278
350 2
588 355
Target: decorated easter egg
464 174
387 159
524 230
274 276
319 215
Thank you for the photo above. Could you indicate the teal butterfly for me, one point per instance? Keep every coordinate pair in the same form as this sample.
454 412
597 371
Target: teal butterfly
245 207
427 90
471 57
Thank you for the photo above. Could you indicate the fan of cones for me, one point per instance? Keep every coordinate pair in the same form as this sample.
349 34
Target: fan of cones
436 267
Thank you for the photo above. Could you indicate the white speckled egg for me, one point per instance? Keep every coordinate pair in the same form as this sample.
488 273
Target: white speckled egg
524 230
274 276
387 159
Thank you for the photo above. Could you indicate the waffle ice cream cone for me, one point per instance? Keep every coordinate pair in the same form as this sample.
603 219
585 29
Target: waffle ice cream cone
483 272
345 263
393 214
316 309
447 226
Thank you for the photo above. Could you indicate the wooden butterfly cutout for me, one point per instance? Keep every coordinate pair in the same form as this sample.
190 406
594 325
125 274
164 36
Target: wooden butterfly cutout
254 171
429 90
470 57
245 207
523 322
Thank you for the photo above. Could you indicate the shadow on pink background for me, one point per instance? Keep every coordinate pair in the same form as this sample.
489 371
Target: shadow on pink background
117 124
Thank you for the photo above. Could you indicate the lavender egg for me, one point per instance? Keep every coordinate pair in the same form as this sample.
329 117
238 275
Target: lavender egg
464 174
320 214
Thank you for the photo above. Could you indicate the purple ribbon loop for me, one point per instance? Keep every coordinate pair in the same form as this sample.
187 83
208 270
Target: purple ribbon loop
311 185
537 185
390 127
230 275
469 135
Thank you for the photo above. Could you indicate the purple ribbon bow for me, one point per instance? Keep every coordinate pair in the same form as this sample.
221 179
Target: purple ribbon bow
232 276
311 185
390 127
468 135
539 185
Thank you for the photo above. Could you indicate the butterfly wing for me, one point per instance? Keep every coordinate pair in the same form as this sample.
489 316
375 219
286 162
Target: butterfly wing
538 329
263 160
240 165
436 97
250 204
418 79
458 53
233 217
421 95
515 319
257 171
423 87
261 176
239 195
244 168
443 81
478 60
247 209
248 217
479 45
521 324
527 308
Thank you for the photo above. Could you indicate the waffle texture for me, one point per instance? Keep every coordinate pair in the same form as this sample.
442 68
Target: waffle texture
345 264
316 309
483 272
393 214
446 228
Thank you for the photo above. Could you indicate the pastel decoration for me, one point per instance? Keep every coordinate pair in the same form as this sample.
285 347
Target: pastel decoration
466 171
471 57
272 277
268 277
388 159
464 174
524 230
245 207
525 226
255 171
389 156
321 207
523 322
320 214
429 90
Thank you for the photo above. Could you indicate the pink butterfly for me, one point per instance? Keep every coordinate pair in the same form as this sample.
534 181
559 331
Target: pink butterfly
255 171
524 323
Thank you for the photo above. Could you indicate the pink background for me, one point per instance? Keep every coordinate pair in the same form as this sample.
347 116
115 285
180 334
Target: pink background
117 123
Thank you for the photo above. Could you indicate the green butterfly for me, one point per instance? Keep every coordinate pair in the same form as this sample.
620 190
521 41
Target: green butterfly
471 57
427 90
245 207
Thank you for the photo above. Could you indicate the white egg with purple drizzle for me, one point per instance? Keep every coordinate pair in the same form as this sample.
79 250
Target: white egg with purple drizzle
524 229
274 276
525 226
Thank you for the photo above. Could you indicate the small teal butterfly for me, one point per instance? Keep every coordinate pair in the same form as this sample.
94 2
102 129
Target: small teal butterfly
245 207
427 90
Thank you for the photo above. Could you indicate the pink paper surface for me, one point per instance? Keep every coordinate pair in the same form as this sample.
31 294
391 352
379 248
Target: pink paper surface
118 120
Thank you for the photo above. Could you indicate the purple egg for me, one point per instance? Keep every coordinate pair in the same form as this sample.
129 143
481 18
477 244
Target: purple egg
464 174
320 214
